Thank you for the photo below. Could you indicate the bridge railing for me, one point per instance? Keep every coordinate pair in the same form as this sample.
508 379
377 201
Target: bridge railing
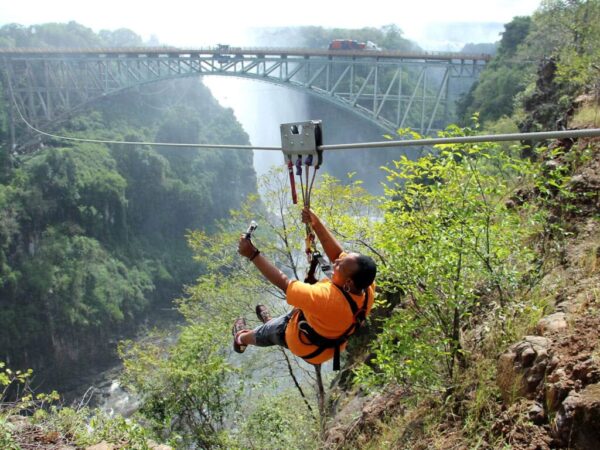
240 51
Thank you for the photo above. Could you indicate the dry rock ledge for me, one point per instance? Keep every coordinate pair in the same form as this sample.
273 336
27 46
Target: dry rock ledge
555 375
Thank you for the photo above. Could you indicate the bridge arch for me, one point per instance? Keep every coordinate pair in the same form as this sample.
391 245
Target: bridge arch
389 89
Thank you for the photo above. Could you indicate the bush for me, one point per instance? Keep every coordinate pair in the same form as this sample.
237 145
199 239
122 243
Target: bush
452 248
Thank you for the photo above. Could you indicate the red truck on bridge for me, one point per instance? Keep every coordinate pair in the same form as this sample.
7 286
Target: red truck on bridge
351 44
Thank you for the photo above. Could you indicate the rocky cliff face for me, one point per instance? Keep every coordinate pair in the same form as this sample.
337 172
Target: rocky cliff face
550 382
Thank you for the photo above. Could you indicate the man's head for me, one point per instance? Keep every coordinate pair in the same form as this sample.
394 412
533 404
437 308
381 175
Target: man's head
354 271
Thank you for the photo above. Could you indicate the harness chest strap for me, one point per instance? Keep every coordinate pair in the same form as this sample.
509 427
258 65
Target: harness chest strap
323 343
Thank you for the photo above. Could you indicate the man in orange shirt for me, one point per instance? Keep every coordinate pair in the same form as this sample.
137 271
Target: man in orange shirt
324 314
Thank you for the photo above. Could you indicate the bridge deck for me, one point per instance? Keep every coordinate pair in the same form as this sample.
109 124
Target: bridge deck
144 52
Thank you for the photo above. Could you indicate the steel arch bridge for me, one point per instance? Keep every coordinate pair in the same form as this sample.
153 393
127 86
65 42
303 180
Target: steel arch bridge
388 88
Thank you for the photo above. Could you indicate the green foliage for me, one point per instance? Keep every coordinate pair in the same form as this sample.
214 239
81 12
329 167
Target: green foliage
555 191
578 26
452 247
70 35
11 382
514 34
274 424
82 284
81 427
563 38
503 78
85 427
187 388
493 95
485 48
7 440
92 235
79 184
65 35
121 37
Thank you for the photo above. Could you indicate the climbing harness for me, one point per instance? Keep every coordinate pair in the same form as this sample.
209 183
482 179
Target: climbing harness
313 338
300 140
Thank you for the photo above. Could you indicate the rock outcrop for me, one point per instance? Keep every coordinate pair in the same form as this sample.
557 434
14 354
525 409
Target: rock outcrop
552 380
577 423
522 367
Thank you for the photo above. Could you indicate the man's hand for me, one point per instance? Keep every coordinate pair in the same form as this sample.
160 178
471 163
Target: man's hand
330 244
309 217
245 247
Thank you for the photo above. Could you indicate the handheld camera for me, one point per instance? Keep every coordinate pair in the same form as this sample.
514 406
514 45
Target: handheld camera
251 228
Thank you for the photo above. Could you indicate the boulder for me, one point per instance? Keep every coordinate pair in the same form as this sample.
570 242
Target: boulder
558 386
578 419
552 323
536 413
587 371
522 367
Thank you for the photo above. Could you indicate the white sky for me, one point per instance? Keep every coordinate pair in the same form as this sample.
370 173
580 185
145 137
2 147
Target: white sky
187 23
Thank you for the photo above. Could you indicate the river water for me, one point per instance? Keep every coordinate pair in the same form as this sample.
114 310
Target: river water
100 387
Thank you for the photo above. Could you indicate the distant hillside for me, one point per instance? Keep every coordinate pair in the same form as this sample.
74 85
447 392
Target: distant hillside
92 236
487 48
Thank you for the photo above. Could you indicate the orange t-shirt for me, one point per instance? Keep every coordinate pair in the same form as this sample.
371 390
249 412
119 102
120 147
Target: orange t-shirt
326 310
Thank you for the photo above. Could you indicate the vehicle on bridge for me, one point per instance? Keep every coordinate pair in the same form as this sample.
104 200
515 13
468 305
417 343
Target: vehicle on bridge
352 44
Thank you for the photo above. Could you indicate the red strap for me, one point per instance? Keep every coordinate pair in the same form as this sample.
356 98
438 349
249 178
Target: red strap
292 181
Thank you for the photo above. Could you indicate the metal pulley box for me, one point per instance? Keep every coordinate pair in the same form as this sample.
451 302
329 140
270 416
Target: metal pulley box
302 138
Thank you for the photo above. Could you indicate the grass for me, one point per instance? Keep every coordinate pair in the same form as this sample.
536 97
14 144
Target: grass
591 259
586 116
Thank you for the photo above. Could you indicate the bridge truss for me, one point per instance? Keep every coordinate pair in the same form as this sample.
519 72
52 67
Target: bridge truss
390 89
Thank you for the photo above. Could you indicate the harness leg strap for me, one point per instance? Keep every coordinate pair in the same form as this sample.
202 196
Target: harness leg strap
336 358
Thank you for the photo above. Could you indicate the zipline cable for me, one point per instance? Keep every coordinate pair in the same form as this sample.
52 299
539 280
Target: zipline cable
534 136
158 144
162 144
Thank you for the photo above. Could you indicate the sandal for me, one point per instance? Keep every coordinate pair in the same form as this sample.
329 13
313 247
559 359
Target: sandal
239 327
263 314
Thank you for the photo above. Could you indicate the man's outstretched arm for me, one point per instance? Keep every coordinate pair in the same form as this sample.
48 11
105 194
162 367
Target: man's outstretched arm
330 244
270 272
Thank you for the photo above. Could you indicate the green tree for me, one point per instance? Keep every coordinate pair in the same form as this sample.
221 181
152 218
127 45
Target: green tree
570 31
493 96
452 248
514 34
